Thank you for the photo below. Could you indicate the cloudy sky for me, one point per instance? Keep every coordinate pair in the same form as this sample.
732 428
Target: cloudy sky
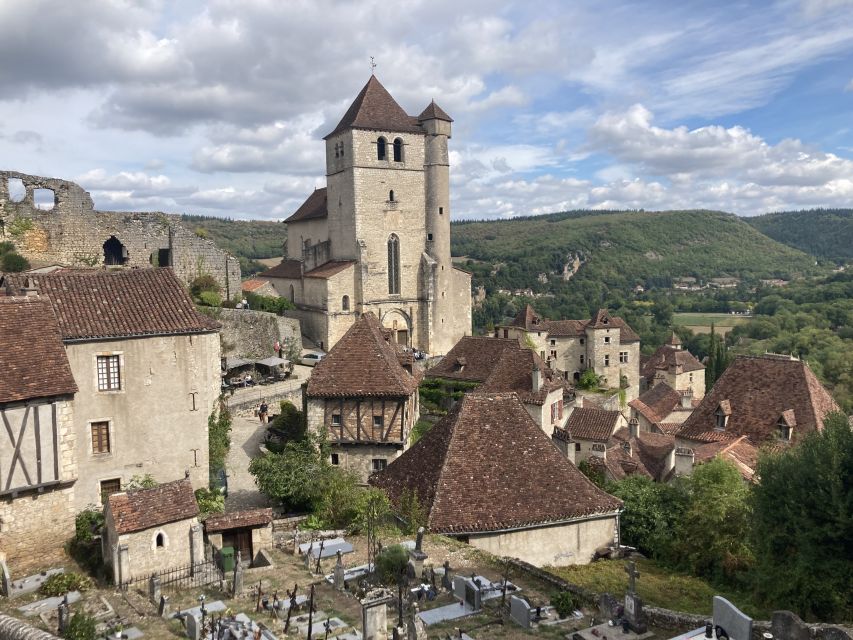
219 107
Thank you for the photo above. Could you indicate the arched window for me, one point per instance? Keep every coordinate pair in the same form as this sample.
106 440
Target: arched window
391 196
292 294
345 303
398 150
381 151
393 264
160 540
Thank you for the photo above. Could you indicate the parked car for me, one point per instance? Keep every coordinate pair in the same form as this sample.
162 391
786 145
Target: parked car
311 358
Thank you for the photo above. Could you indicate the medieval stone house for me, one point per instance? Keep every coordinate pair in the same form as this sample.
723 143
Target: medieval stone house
364 395
377 237
589 429
674 366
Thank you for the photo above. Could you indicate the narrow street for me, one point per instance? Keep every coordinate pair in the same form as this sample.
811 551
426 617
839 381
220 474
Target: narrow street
247 433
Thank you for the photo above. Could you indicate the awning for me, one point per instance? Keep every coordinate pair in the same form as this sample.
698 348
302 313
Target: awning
272 361
234 362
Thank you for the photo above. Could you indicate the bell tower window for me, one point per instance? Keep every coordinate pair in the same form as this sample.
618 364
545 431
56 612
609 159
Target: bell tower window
381 149
393 264
398 150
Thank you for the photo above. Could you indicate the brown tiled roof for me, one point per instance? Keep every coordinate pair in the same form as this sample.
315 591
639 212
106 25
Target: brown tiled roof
566 328
374 108
329 269
669 428
667 357
740 452
486 467
238 520
514 373
651 450
434 112
601 320
673 340
32 357
314 207
146 508
472 359
362 363
619 464
252 284
94 304
287 268
757 390
657 403
529 320
592 424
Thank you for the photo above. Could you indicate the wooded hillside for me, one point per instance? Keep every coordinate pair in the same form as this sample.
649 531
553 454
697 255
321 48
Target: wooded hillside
823 233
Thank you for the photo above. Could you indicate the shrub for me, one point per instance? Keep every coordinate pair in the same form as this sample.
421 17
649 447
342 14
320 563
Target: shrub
390 563
218 437
61 583
210 298
210 501
290 421
13 263
338 507
205 282
589 379
6 247
411 512
268 303
80 627
563 603
145 481
87 524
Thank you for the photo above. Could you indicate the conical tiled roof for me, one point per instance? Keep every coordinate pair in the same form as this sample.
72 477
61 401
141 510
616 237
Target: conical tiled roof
374 108
434 112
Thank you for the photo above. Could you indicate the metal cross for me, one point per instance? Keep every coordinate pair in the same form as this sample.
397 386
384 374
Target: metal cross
372 65
633 574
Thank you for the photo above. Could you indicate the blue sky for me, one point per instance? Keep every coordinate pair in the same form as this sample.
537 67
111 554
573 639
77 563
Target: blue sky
219 107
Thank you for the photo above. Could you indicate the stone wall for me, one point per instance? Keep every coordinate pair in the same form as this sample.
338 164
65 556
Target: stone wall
253 334
14 629
73 233
146 558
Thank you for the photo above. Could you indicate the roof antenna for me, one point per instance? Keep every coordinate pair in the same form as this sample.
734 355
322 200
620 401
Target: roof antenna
372 66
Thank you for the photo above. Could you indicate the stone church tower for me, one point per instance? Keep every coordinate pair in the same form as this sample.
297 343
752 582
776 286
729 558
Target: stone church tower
377 237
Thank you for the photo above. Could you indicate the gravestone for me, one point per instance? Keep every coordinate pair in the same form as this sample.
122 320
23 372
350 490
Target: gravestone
164 609
154 589
238 576
374 616
5 580
62 614
729 621
417 556
194 627
340 573
634 604
446 578
788 626
519 611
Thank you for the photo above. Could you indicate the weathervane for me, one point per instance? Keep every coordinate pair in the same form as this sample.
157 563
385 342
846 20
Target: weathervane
372 65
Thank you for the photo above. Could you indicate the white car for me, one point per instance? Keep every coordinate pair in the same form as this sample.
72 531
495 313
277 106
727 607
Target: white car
311 358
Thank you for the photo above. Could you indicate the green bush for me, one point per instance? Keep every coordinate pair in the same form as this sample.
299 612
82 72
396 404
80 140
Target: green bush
6 247
338 507
270 304
80 627
390 563
291 421
145 481
14 263
209 501
61 583
87 524
210 298
411 512
218 437
205 282
563 603
589 379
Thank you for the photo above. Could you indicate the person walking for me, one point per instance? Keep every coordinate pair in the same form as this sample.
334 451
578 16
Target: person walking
262 411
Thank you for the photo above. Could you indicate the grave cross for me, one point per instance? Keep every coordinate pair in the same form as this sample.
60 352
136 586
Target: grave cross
633 574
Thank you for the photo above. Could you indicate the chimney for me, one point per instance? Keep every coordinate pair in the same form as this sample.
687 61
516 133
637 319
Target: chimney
29 289
687 399
537 378
634 427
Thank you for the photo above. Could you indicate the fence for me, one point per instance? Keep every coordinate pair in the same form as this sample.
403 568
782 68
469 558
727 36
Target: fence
186 577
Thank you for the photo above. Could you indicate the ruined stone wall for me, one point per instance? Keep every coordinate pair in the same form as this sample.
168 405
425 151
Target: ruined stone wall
73 233
253 334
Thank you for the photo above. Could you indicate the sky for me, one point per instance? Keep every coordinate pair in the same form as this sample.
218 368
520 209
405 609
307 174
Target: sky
219 107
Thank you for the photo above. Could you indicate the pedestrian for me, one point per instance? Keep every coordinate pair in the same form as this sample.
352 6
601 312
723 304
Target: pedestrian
262 411
277 348
245 303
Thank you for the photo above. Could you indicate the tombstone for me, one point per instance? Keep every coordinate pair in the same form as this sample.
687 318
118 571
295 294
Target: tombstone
417 556
5 580
62 614
154 589
634 604
607 606
296 541
788 626
416 627
196 544
729 621
469 592
237 586
374 616
446 582
308 557
519 611
194 627
340 582
164 610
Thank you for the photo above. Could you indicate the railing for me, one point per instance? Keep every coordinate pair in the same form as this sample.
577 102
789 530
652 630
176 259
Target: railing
185 577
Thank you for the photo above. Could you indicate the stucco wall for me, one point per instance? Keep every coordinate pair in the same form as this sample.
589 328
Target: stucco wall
146 558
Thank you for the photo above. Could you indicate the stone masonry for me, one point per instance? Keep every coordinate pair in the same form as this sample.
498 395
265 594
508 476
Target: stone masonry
72 233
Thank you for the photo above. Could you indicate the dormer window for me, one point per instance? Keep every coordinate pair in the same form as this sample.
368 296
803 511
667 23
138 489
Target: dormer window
785 432
381 149
785 425
721 415
398 150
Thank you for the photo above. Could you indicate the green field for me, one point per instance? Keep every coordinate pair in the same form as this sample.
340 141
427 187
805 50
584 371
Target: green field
701 322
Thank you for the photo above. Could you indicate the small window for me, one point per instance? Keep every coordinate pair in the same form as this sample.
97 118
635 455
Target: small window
606 360
429 237
553 353
623 357
577 446
381 149
553 343
109 487
345 303
606 339
720 419
100 437
506 333
441 211
336 460
109 375
582 358
583 341
398 150
160 541
785 432
393 264
336 149
391 196
336 419
378 421
691 377
379 464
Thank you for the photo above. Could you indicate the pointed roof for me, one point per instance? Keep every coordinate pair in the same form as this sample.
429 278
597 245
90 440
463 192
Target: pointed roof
314 207
674 340
374 108
472 359
656 403
669 357
529 320
363 362
434 112
514 372
486 466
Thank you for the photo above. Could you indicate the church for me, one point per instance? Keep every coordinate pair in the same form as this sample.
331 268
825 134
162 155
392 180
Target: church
377 237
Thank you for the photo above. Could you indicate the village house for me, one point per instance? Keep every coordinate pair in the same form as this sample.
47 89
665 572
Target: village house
605 344
486 474
377 236
38 462
589 429
145 362
662 409
364 395
675 366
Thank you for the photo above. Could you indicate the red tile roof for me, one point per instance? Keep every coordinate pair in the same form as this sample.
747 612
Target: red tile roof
32 357
375 109
434 112
486 466
287 268
514 372
669 357
657 403
238 520
650 450
253 284
756 391
147 508
740 452
587 423
529 320
329 269
94 304
472 359
364 362
315 207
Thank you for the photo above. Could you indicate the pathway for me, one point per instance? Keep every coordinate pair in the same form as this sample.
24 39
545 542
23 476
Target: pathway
247 433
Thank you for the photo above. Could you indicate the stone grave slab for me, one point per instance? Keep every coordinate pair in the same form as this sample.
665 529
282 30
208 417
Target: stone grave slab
318 628
604 630
48 604
131 633
330 548
209 607
446 613
31 584
350 574
731 620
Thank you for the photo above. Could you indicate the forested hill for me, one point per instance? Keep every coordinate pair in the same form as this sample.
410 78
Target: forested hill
823 233
246 239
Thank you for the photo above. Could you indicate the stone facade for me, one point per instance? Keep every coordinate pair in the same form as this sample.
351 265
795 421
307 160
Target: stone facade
73 233
253 334
144 557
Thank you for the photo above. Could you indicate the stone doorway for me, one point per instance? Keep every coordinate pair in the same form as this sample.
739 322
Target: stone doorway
115 253
241 540
403 337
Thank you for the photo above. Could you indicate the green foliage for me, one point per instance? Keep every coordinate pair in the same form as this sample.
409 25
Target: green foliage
803 524
824 233
246 239
437 394
61 583
651 514
6 247
145 481
338 507
12 262
291 421
391 563
270 304
296 477
87 524
419 430
80 627
218 437
210 299
202 283
373 508
411 512
593 473
563 602
19 226
210 501
589 380
201 232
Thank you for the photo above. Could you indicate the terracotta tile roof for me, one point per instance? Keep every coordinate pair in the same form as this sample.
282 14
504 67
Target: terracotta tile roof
755 391
434 112
673 340
472 359
374 108
741 452
314 207
669 357
649 450
364 362
94 304
253 284
287 268
238 520
32 357
329 269
592 424
486 466
147 508
566 328
657 403
529 320
514 373
669 428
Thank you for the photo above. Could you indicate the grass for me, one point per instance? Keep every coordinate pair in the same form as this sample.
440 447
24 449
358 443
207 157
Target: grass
657 586
706 319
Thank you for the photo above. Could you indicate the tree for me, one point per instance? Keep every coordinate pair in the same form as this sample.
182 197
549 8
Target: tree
290 421
589 379
204 282
652 513
803 524
296 477
12 262
338 507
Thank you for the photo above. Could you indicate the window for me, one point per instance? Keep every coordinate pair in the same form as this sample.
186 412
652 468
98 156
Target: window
100 437
506 333
393 264
577 446
429 237
391 196
785 432
553 353
557 411
606 360
379 464
336 149
553 342
441 211
691 377
335 459
160 541
606 339
378 421
398 150
345 303
582 358
292 294
623 357
336 419
720 419
381 150
109 487
109 376
583 341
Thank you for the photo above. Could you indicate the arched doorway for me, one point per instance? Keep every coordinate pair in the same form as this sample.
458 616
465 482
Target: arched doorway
115 253
400 324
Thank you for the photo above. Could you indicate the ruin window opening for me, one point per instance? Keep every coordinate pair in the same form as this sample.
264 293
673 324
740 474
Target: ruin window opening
393 264
398 150
292 294
115 253
44 199
17 189
160 541
381 149
345 303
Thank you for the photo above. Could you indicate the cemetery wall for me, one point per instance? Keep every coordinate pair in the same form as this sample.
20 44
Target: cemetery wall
253 334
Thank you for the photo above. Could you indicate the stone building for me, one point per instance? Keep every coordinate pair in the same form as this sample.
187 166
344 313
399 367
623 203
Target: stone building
377 237
38 465
662 409
487 475
147 367
603 343
673 365
248 531
590 429
364 395
152 530
67 230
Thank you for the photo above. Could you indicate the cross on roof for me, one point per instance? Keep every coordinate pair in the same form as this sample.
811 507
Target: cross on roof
372 65
633 574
